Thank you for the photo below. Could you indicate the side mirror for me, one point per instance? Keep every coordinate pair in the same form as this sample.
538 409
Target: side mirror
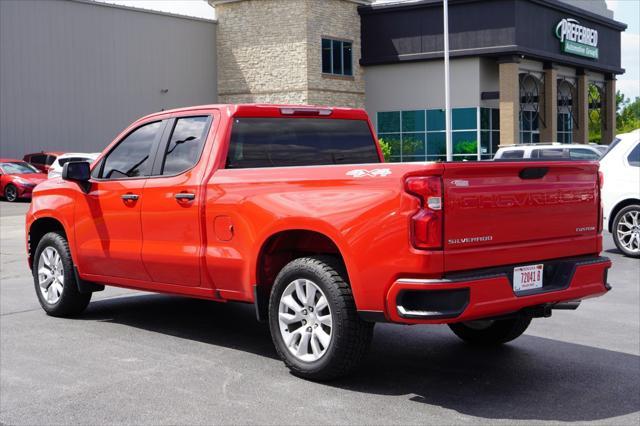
79 172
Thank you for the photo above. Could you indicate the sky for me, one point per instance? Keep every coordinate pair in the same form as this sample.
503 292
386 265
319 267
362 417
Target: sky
626 11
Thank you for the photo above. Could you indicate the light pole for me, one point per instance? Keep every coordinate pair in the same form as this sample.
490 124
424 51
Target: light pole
447 94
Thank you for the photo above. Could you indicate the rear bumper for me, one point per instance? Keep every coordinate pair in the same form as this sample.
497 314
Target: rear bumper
489 293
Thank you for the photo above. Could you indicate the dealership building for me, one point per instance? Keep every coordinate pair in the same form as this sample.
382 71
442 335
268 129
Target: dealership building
522 71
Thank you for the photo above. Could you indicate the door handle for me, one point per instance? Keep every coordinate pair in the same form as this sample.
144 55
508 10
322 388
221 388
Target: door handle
129 197
186 196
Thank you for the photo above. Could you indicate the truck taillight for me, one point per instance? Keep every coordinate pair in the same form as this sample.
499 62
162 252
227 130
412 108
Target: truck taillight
426 224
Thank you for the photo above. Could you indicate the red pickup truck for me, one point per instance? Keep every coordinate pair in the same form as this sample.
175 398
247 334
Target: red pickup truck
294 210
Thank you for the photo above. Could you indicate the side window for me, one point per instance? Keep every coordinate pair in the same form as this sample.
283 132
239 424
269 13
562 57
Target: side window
583 154
516 153
38 159
50 159
185 146
132 156
634 156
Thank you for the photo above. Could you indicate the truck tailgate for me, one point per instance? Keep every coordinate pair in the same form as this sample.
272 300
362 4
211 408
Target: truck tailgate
502 213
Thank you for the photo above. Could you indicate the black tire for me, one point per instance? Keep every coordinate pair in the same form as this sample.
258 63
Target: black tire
10 193
614 230
71 302
351 336
494 332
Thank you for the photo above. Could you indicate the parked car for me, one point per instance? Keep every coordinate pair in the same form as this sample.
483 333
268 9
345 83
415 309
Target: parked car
42 160
293 209
55 170
621 192
554 151
18 178
602 149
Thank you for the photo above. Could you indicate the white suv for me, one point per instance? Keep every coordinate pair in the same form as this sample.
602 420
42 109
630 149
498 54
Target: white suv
55 169
549 151
620 167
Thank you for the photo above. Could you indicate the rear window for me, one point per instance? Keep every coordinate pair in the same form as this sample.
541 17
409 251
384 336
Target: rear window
516 153
38 159
64 161
583 154
283 142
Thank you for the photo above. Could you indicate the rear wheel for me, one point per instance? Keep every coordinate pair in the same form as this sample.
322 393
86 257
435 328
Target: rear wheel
10 193
54 278
490 332
626 230
313 320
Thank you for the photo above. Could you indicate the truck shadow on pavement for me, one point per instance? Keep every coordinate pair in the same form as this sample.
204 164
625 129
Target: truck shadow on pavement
532 378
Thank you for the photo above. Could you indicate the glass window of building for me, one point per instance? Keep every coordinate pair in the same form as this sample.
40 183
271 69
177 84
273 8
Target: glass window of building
565 127
419 135
489 132
529 130
337 57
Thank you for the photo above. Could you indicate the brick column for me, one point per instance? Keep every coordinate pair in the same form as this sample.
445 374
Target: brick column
608 111
581 109
509 101
549 129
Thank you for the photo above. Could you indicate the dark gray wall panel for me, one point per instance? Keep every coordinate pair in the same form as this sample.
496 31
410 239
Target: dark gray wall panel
413 31
74 74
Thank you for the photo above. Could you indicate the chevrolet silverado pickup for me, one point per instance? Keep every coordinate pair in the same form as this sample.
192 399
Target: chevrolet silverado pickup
294 210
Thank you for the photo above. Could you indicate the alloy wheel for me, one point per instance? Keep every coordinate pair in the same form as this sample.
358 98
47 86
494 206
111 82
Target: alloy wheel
628 231
10 193
305 320
51 275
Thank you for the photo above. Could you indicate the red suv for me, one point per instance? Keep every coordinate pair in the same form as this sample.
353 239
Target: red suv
42 160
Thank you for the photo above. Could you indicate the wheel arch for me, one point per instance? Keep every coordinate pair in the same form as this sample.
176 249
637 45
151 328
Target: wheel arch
280 248
38 229
621 205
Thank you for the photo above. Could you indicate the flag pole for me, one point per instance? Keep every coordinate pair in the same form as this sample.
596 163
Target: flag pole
447 93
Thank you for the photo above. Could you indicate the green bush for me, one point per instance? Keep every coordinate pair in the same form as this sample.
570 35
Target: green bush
386 149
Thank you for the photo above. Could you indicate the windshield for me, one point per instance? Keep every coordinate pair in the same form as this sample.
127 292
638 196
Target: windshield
18 168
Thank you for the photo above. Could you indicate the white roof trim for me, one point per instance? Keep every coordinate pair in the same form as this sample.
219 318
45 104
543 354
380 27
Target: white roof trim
145 10
214 3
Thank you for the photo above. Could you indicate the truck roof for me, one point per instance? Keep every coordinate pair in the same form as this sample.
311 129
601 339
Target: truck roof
270 110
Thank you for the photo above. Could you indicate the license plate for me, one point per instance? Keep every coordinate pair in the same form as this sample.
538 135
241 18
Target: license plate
527 277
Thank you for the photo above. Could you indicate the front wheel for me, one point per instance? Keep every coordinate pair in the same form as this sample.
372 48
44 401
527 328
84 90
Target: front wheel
10 193
626 230
490 332
54 278
313 320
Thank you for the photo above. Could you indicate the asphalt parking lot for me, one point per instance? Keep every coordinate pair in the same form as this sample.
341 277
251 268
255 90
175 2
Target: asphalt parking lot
142 358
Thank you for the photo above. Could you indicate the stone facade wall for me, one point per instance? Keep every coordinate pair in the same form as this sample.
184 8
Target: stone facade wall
262 52
269 51
336 19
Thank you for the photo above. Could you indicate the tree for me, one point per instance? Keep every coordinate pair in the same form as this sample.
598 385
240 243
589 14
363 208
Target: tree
627 115
628 118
